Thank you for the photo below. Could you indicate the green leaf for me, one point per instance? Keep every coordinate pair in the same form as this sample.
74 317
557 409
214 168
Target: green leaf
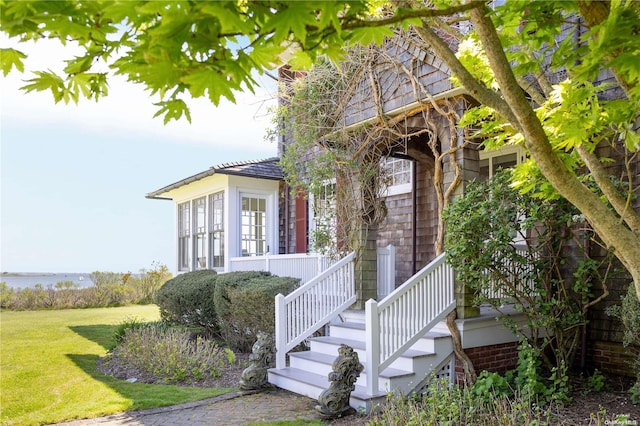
301 60
366 36
46 80
211 81
173 109
11 58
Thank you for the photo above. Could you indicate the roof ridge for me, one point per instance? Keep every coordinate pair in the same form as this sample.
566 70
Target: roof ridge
243 163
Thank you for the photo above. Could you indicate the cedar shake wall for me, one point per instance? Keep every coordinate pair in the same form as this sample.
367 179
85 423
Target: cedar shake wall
397 229
395 89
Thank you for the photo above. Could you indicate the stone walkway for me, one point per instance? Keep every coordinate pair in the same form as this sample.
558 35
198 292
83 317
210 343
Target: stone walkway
232 409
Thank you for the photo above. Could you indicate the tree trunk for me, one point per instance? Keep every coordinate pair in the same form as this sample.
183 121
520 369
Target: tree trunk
623 242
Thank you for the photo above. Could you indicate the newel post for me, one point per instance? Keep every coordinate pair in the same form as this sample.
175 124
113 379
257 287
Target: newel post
281 332
373 345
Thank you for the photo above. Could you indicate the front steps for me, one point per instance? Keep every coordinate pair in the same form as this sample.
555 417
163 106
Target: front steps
307 373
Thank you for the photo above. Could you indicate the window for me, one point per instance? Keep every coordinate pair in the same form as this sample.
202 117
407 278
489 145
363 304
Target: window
492 161
216 229
398 174
199 233
184 232
253 224
323 226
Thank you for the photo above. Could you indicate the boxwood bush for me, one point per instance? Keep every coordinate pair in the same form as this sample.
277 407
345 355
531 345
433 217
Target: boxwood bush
245 302
189 299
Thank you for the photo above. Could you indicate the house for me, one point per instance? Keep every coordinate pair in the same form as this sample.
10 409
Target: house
238 196
245 210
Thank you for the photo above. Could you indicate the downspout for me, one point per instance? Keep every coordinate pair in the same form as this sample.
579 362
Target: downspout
414 217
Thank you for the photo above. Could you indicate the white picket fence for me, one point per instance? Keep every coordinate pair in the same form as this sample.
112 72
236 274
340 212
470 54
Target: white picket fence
307 266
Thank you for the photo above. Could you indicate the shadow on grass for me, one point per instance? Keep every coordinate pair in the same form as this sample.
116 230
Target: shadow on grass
141 395
102 334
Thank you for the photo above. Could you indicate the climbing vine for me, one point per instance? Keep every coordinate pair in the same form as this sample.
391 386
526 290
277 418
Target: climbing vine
342 165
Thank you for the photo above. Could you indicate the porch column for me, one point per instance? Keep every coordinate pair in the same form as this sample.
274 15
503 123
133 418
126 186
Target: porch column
465 308
467 160
366 267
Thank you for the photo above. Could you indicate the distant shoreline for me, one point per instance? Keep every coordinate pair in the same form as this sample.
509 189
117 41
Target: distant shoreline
32 274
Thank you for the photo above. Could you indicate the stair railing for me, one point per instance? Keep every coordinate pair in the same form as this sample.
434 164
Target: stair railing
404 316
308 308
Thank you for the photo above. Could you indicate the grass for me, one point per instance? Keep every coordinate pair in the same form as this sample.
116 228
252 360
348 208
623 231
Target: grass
48 367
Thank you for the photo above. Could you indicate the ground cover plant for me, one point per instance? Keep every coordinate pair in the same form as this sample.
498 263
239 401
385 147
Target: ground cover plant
48 367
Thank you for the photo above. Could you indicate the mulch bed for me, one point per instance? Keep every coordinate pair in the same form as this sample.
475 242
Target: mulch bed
586 408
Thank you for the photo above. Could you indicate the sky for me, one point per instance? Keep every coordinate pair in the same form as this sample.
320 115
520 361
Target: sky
73 178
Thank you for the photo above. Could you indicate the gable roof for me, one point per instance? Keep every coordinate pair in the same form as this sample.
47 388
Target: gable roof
259 169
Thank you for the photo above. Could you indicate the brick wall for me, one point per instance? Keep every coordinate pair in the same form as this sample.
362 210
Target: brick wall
611 357
494 358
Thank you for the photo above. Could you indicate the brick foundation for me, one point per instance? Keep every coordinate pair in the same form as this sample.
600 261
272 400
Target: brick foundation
494 358
611 357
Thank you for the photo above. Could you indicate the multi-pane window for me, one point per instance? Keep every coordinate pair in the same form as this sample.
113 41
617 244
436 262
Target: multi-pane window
184 233
253 215
199 233
216 229
493 161
397 172
323 233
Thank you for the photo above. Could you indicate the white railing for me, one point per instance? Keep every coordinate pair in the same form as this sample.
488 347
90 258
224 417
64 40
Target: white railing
308 308
303 266
386 270
398 321
516 274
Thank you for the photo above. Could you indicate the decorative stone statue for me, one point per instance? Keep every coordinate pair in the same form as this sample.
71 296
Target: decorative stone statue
254 377
334 401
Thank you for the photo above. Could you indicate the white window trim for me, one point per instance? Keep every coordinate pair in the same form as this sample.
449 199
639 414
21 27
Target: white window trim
494 153
401 188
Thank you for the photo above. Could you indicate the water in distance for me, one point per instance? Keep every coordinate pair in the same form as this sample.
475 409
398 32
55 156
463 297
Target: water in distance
29 280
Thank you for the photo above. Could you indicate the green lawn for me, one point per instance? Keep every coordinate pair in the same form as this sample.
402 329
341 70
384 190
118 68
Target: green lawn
47 367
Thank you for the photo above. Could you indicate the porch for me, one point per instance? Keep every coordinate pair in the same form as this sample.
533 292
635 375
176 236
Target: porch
401 339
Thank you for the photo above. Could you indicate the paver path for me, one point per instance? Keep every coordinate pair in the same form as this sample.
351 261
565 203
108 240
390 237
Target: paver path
231 409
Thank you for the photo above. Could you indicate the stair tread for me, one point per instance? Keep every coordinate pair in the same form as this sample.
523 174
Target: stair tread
361 326
329 359
320 381
357 344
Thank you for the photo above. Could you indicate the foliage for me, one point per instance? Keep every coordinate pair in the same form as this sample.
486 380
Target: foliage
176 50
110 289
541 88
251 307
66 366
129 323
149 281
531 276
225 282
629 313
188 299
443 403
172 353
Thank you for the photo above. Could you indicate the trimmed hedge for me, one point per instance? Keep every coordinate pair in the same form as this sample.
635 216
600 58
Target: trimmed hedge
188 299
235 306
245 302
232 280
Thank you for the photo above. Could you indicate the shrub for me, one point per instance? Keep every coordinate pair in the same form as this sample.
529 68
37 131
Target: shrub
231 280
629 313
172 354
444 404
188 299
245 302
